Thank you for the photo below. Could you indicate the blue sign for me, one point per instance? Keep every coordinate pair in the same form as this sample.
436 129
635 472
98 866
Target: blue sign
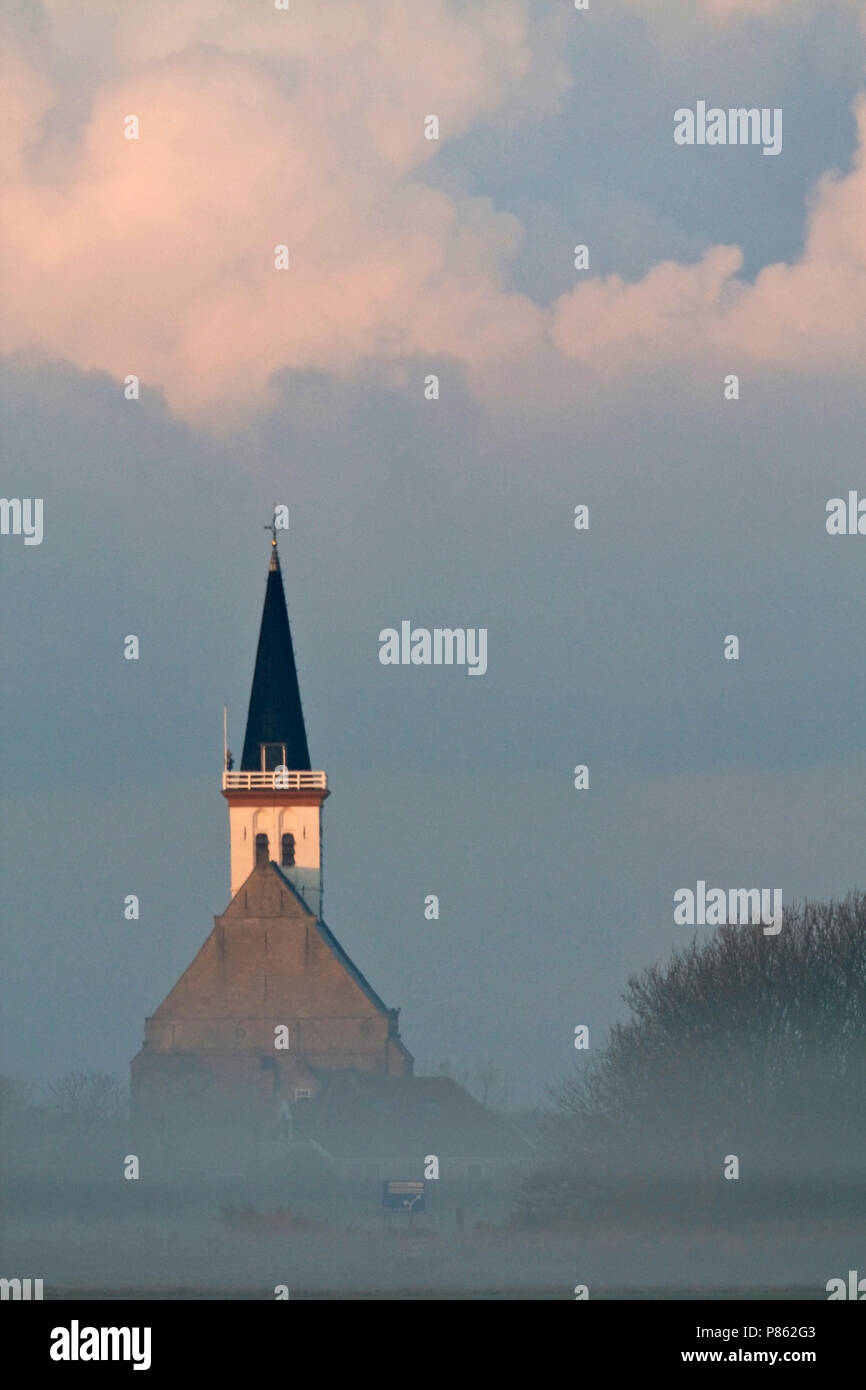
402 1195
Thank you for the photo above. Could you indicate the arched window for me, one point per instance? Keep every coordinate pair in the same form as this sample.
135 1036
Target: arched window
288 859
262 853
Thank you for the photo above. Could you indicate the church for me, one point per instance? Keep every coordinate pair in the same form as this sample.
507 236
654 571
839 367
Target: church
273 1035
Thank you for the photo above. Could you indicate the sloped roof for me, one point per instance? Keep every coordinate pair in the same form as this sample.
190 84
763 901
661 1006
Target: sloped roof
212 988
361 1116
345 960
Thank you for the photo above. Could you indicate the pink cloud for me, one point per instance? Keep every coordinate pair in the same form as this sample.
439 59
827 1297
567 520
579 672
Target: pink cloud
155 256
810 314
669 15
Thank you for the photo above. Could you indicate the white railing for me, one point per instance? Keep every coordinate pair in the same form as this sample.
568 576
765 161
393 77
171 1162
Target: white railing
275 780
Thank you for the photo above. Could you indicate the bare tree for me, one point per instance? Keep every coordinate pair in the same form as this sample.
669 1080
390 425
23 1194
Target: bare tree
87 1098
15 1095
741 1043
491 1086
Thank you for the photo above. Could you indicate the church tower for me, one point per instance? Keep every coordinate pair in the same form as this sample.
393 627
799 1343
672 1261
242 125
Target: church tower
275 799
272 1010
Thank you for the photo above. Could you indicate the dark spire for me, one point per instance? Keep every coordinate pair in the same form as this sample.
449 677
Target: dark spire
275 716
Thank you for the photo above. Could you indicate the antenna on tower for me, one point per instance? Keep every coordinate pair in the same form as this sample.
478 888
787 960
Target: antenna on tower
225 736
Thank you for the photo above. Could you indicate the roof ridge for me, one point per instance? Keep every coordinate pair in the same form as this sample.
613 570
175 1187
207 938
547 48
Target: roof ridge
339 951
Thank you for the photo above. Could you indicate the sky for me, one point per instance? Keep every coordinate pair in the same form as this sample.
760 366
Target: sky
558 387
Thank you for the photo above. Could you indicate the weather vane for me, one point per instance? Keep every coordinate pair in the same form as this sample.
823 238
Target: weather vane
273 526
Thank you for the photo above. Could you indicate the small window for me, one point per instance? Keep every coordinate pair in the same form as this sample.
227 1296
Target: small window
303 1093
262 852
288 852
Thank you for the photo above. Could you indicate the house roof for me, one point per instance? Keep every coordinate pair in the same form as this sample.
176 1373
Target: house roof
360 1116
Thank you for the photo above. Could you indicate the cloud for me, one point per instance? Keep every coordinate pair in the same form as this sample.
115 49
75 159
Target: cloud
721 10
27 97
260 128
156 256
669 14
811 314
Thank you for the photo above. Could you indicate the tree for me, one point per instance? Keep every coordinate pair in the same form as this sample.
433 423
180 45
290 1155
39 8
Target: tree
87 1098
490 1086
16 1095
741 1044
